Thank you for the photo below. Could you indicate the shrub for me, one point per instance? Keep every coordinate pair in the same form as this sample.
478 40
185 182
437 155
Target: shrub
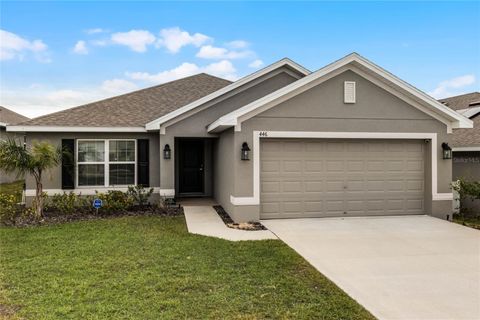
166 207
115 201
9 208
139 194
65 203
467 190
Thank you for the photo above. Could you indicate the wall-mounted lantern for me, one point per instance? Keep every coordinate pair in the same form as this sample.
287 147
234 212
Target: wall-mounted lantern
447 151
245 151
167 153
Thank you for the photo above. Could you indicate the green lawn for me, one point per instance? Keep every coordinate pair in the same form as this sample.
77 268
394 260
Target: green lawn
472 222
152 268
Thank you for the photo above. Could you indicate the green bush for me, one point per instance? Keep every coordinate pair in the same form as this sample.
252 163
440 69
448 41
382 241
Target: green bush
65 203
139 194
467 190
115 201
9 208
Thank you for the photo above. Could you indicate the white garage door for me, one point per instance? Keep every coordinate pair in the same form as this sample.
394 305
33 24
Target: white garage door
331 178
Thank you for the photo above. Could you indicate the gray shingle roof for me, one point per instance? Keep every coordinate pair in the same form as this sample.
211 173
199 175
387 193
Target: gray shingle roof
465 137
137 108
10 117
462 101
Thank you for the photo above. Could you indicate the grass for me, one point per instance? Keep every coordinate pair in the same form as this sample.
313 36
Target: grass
472 222
14 188
152 268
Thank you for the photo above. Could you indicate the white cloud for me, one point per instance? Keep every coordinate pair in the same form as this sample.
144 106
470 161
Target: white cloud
222 68
118 86
95 30
238 44
256 64
184 70
174 39
99 43
13 46
137 40
37 99
452 87
211 52
63 96
80 47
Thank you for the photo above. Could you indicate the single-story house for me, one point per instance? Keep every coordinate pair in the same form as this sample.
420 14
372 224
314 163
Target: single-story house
8 117
350 139
466 142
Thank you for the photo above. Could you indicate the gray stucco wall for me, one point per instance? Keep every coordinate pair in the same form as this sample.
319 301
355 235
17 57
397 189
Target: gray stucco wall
466 165
223 172
196 124
53 178
322 109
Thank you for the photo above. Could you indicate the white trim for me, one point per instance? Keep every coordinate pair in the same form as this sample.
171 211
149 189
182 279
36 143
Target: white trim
346 98
3 124
460 149
91 191
469 112
26 128
106 162
449 116
167 192
255 199
155 124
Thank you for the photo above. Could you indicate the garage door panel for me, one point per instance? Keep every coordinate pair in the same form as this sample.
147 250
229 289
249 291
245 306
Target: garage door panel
318 178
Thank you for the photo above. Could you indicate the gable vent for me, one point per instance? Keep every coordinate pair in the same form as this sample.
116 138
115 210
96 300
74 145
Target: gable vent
349 94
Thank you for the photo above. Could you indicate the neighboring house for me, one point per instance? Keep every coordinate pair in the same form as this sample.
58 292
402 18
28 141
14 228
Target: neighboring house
8 117
350 139
466 142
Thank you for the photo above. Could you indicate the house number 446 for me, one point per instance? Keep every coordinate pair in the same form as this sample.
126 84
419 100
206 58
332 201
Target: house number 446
263 134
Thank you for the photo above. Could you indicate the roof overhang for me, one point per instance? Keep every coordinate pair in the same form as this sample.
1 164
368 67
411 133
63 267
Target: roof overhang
466 149
73 129
155 124
357 63
469 112
3 124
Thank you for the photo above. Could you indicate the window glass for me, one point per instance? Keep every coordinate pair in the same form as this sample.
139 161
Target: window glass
91 174
91 151
121 150
122 174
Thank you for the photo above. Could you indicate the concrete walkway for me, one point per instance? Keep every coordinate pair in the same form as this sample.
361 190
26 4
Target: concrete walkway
203 219
410 267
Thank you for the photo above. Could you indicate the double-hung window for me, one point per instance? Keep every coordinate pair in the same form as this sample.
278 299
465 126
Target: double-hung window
106 162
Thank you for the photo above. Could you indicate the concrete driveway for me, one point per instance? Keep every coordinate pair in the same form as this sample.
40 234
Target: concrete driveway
411 267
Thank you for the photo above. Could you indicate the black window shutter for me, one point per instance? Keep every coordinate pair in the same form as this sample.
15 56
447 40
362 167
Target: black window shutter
143 175
68 164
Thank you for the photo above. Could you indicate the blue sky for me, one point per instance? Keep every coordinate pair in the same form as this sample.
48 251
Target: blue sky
58 55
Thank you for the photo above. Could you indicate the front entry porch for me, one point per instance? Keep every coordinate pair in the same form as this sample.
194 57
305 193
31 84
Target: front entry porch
193 167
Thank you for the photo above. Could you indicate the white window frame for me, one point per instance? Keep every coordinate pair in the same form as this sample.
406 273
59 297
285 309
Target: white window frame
106 162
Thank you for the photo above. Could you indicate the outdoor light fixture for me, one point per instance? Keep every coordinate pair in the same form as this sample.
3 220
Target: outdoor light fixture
447 151
167 153
245 151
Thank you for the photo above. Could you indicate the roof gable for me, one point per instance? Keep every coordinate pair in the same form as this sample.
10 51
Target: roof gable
155 125
368 70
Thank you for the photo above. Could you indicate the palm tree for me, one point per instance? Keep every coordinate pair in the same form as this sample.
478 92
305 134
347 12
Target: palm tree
35 160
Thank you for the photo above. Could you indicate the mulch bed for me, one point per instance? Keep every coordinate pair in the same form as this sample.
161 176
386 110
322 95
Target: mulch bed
249 226
55 217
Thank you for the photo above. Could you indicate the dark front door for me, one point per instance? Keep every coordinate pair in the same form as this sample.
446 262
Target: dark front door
191 166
